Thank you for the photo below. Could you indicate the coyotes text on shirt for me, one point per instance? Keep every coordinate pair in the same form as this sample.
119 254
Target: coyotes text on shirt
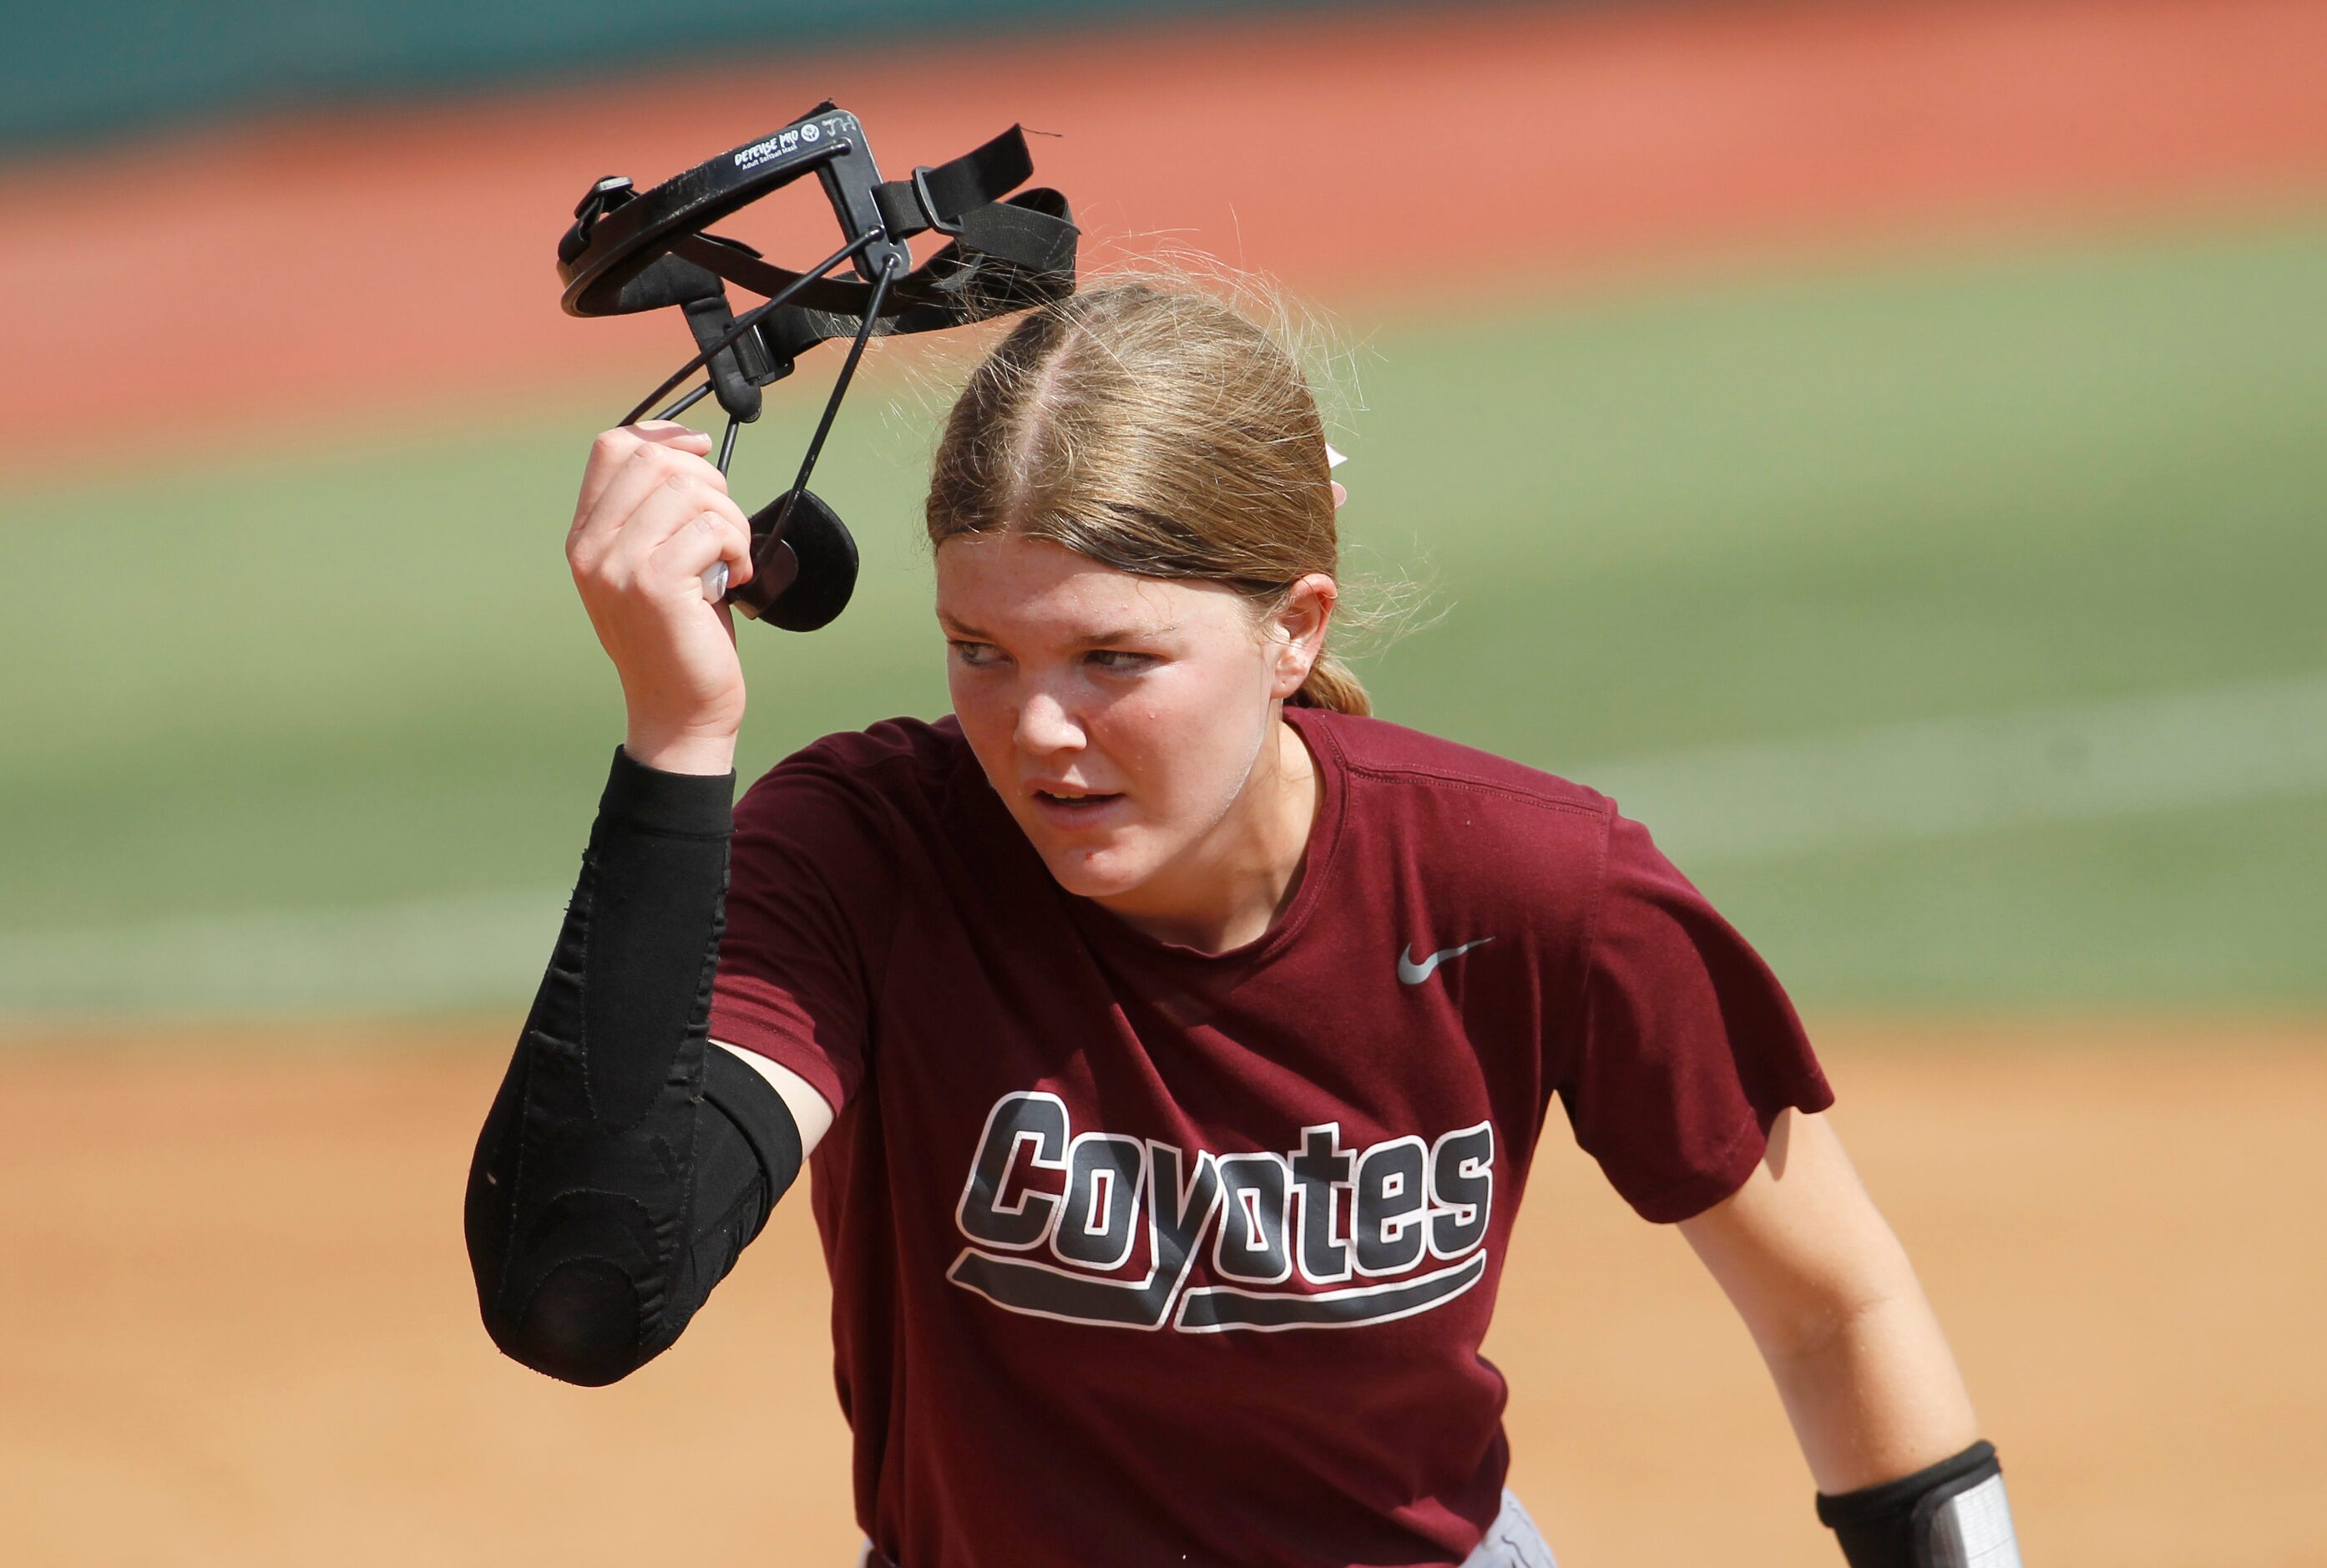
1414 1233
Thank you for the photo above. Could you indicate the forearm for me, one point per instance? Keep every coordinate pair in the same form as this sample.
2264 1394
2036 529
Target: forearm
1904 1479
1874 1394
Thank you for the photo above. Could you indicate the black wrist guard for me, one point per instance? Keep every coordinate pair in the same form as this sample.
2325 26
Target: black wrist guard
626 1162
1951 1514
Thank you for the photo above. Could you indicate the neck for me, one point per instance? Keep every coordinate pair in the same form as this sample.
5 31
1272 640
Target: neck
1234 884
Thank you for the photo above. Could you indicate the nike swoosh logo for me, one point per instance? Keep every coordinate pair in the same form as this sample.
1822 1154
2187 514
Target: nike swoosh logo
1415 974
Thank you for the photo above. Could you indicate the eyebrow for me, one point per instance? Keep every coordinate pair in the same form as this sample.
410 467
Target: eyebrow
1096 639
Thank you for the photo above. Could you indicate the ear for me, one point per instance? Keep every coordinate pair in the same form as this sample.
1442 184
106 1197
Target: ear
1296 631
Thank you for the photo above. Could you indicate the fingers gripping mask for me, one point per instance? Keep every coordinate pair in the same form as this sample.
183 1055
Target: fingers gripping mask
630 250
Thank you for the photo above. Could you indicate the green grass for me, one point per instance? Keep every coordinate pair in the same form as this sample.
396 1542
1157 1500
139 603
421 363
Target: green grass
1749 512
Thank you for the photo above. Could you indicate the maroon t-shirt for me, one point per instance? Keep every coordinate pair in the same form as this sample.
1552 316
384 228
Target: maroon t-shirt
1183 1257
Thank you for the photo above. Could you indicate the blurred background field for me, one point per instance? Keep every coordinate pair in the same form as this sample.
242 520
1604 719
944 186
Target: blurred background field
1881 445
348 683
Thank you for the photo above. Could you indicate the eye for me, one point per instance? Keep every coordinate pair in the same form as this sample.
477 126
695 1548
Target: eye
975 654
1118 662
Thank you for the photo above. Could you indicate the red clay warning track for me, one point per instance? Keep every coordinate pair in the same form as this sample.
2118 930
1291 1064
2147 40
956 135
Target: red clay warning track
317 266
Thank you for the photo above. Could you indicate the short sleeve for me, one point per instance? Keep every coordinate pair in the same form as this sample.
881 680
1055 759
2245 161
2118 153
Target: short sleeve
810 881
1687 1047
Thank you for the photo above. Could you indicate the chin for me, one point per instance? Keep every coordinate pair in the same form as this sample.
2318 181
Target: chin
1095 872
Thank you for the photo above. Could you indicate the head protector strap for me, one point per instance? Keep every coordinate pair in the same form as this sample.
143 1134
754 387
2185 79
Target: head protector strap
630 250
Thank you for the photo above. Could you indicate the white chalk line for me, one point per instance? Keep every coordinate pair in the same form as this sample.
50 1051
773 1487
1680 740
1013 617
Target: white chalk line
2129 757
1758 803
424 955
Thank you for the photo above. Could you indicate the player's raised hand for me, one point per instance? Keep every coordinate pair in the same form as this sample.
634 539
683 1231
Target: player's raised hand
653 515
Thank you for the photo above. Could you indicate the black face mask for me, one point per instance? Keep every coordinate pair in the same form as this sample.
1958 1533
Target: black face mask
630 250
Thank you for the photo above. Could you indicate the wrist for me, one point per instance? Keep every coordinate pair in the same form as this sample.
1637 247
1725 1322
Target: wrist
1948 1514
659 801
678 751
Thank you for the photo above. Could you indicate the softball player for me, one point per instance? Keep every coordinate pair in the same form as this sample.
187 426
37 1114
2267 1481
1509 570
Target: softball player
1171 1038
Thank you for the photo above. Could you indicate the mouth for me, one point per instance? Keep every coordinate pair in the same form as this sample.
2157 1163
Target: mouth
1076 809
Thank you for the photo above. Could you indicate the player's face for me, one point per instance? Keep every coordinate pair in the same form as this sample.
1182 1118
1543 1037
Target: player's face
1122 719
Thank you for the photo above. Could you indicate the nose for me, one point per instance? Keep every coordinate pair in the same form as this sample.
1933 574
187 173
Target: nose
1045 724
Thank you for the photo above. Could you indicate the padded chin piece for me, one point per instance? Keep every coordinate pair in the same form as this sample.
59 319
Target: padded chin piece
823 577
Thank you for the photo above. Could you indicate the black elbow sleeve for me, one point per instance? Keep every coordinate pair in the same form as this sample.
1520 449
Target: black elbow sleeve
625 1162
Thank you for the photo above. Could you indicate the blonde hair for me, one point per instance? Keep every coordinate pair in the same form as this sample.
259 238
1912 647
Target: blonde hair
1158 431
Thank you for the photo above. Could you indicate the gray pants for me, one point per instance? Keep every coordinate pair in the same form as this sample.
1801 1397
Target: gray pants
1512 1541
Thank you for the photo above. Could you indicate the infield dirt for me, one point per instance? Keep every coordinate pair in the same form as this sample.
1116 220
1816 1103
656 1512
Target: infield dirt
242 1331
